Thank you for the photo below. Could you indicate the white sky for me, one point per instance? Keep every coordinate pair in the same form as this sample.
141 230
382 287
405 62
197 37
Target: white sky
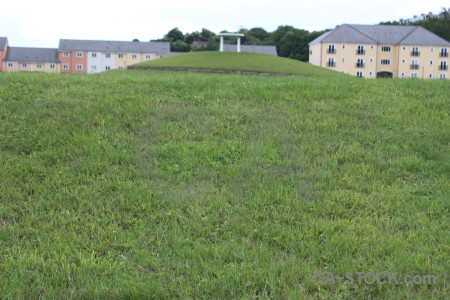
41 23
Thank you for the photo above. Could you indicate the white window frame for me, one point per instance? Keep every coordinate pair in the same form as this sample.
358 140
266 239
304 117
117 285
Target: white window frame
148 56
10 65
385 48
133 56
442 76
120 55
39 66
65 66
79 67
94 55
52 66
66 54
79 54
108 55
385 61
24 65
414 75
360 74
108 68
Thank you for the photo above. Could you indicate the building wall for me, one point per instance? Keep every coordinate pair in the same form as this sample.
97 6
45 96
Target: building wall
72 60
3 55
378 58
32 67
428 61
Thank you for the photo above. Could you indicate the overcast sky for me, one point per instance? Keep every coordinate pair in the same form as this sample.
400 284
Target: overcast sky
41 23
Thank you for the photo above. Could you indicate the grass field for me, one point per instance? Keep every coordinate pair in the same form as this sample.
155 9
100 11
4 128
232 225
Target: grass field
145 184
232 61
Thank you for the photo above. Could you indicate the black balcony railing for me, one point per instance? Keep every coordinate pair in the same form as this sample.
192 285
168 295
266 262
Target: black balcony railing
360 65
414 67
360 51
331 64
443 67
443 54
331 51
415 53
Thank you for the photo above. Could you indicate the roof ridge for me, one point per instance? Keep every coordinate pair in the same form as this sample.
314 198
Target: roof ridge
362 33
417 28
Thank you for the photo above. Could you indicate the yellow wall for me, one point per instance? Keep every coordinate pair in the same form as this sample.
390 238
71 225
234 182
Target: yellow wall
45 67
345 58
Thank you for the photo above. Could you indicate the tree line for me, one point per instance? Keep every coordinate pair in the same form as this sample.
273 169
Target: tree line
290 42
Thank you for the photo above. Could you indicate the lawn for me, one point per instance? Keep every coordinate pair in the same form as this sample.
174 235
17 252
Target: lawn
232 61
147 184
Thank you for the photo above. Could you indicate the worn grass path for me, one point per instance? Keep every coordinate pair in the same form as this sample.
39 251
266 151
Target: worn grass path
176 185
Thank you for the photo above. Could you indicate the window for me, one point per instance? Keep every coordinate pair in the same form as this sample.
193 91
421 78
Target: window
52 66
39 66
386 49
443 66
414 75
403 61
404 48
371 60
331 62
120 68
360 63
107 68
331 49
107 55
360 50
370 73
443 52
24 65
9 65
79 67
134 56
65 67
343 46
359 74
431 62
432 50
161 56
385 61
415 51
442 76
430 75
120 55
414 64
147 56
371 47
66 54
94 55
94 67
79 54
403 74
343 59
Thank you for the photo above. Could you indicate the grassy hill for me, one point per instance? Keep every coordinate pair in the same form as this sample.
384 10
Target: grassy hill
233 61
152 184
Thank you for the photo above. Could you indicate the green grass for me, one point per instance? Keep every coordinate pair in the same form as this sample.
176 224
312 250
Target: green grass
144 184
232 61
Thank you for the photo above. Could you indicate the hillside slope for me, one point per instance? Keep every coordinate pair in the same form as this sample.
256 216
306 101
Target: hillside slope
232 61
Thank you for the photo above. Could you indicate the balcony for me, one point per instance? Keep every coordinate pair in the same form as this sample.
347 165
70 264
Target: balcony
443 54
360 65
331 51
415 53
360 52
414 67
331 64
443 67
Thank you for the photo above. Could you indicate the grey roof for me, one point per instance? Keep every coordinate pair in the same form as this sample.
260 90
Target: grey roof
3 41
381 34
114 46
30 55
269 50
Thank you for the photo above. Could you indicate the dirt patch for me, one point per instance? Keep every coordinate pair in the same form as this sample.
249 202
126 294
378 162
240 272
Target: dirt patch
213 71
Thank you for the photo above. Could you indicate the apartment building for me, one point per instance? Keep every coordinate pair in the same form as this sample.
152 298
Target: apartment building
31 60
374 51
93 56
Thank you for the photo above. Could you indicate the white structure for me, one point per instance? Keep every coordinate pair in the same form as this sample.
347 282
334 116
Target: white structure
238 35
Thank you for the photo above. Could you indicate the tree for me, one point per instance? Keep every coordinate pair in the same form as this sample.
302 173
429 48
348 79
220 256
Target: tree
135 40
175 35
180 46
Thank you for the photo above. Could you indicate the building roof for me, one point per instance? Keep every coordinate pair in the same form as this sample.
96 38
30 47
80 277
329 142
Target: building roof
381 34
32 55
269 50
3 42
114 46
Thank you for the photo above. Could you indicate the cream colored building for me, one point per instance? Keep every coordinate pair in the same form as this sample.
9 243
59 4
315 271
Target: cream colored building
373 51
